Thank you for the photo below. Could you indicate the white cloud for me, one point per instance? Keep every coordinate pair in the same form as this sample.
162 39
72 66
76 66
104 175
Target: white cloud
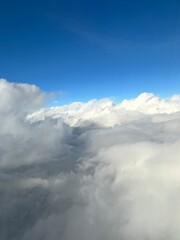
106 113
20 98
95 170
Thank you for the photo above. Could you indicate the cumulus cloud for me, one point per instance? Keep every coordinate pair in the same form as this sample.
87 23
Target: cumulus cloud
106 113
95 170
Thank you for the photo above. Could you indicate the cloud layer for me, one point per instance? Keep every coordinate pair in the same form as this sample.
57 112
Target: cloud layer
93 171
107 114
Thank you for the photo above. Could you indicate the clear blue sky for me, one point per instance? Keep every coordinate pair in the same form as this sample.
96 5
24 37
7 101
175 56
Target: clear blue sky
92 49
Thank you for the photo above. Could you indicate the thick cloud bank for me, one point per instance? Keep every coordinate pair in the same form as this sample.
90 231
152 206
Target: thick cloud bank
88 171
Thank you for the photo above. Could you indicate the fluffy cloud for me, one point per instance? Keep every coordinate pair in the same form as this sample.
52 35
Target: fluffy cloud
20 98
95 170
107 114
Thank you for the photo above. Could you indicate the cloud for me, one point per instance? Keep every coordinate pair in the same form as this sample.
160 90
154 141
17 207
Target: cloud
20 98
107 114
95 170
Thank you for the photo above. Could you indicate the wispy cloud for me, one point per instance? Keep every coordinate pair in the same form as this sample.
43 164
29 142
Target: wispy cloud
114 43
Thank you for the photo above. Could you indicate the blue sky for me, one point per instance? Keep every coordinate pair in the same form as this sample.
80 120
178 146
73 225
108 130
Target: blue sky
92 49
